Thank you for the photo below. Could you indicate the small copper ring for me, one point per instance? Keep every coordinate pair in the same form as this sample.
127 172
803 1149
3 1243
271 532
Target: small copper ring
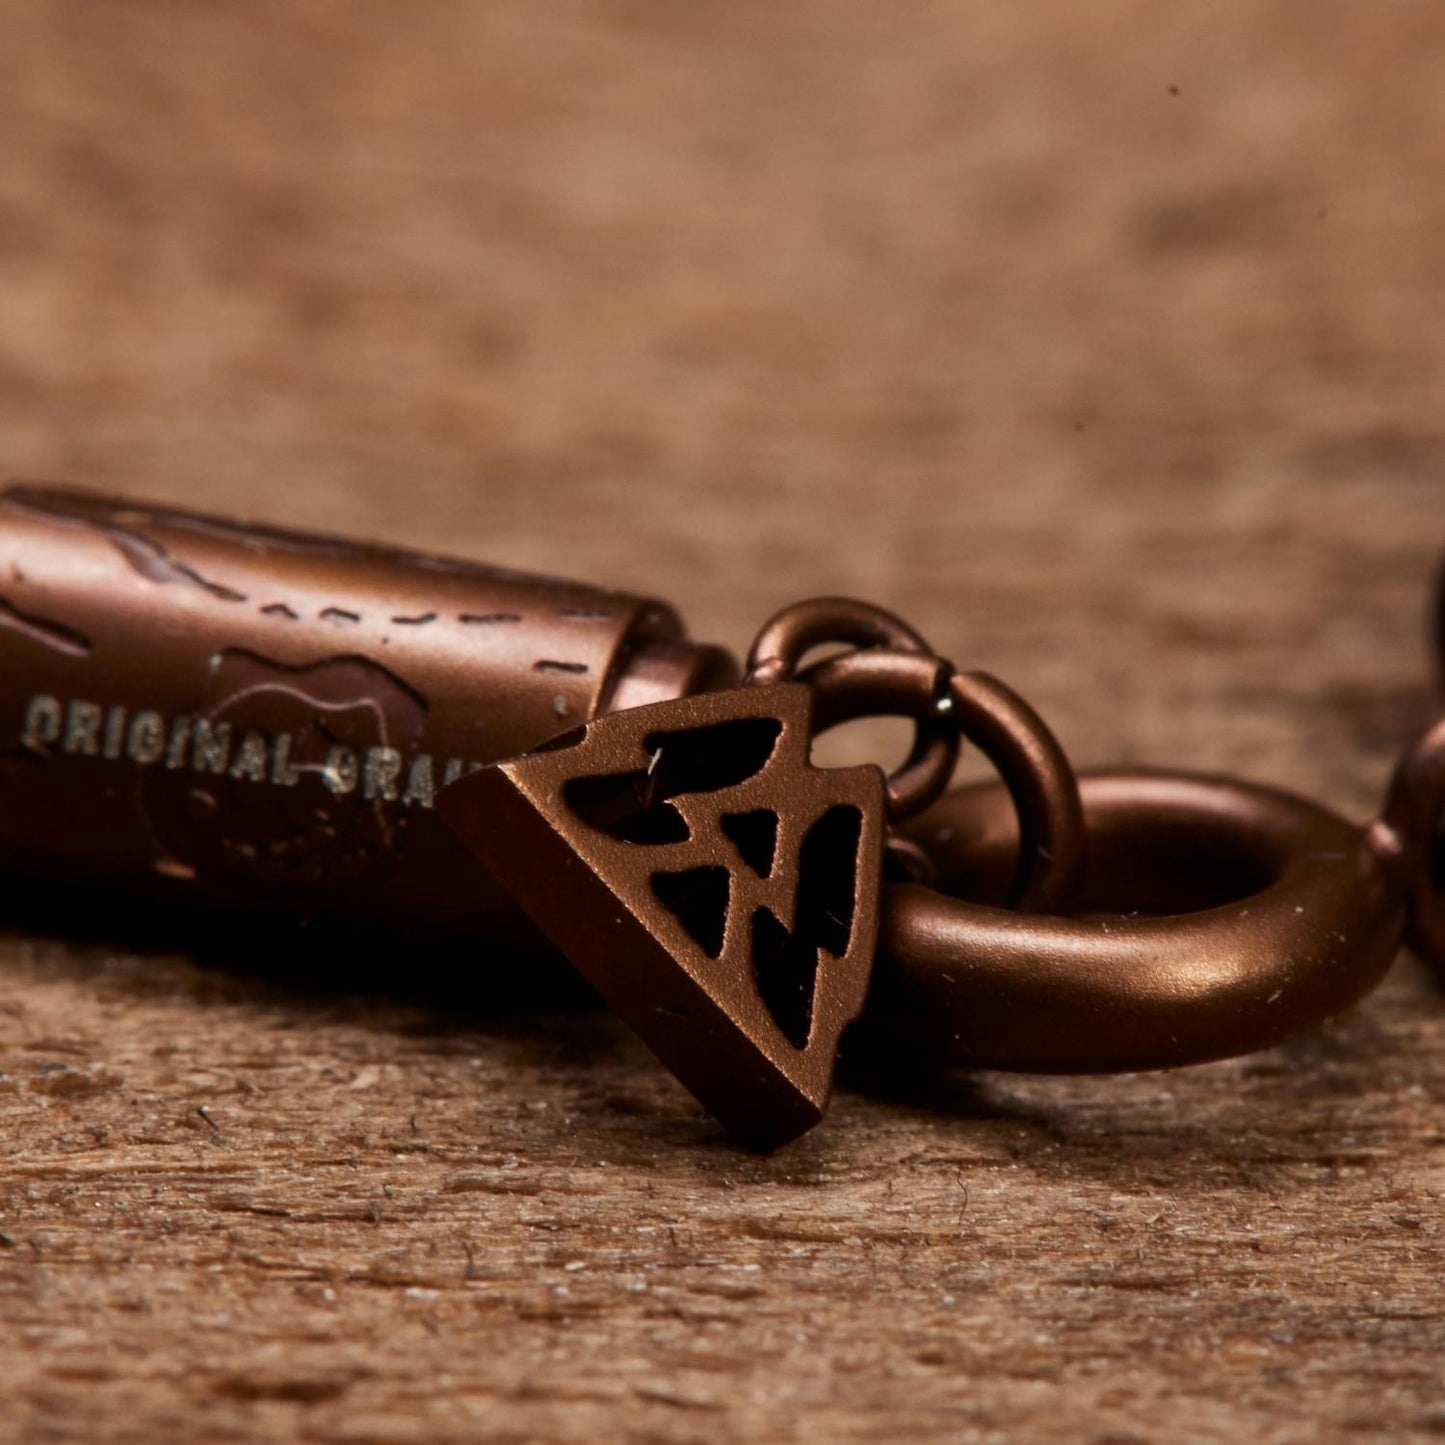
1006 729
892 684
788 636
1215 918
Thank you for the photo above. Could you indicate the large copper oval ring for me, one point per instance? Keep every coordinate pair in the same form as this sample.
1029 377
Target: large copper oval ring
1215 918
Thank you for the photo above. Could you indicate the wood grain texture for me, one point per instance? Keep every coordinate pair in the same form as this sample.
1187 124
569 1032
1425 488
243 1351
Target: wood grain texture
1102 341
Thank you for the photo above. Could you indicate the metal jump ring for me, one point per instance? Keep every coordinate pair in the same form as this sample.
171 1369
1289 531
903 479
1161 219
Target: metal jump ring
788 637
885 683
1006 729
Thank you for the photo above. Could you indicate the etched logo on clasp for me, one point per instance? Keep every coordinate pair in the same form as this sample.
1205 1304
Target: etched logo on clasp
297 780
78 727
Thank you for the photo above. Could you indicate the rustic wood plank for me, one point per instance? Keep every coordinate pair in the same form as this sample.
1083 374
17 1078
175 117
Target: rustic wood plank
1104 342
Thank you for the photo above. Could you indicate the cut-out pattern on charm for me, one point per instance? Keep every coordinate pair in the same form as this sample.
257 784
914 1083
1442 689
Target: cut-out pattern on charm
698 899
637 806
755 836
785 961
713 885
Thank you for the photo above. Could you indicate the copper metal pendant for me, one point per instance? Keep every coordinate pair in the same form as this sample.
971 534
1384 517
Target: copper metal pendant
713 885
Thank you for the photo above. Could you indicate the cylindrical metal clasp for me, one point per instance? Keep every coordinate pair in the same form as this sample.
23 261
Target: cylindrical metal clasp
212 712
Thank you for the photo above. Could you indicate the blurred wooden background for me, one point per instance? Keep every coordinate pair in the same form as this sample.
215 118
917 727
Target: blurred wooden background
1102 341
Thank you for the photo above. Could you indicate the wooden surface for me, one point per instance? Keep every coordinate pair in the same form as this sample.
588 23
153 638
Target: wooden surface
1103 341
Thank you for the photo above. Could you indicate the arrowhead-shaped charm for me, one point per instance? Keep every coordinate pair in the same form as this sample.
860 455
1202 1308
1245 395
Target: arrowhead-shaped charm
717 889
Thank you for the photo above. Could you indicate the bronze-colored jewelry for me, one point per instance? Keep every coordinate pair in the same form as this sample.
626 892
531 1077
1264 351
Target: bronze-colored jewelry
234 716
721 892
